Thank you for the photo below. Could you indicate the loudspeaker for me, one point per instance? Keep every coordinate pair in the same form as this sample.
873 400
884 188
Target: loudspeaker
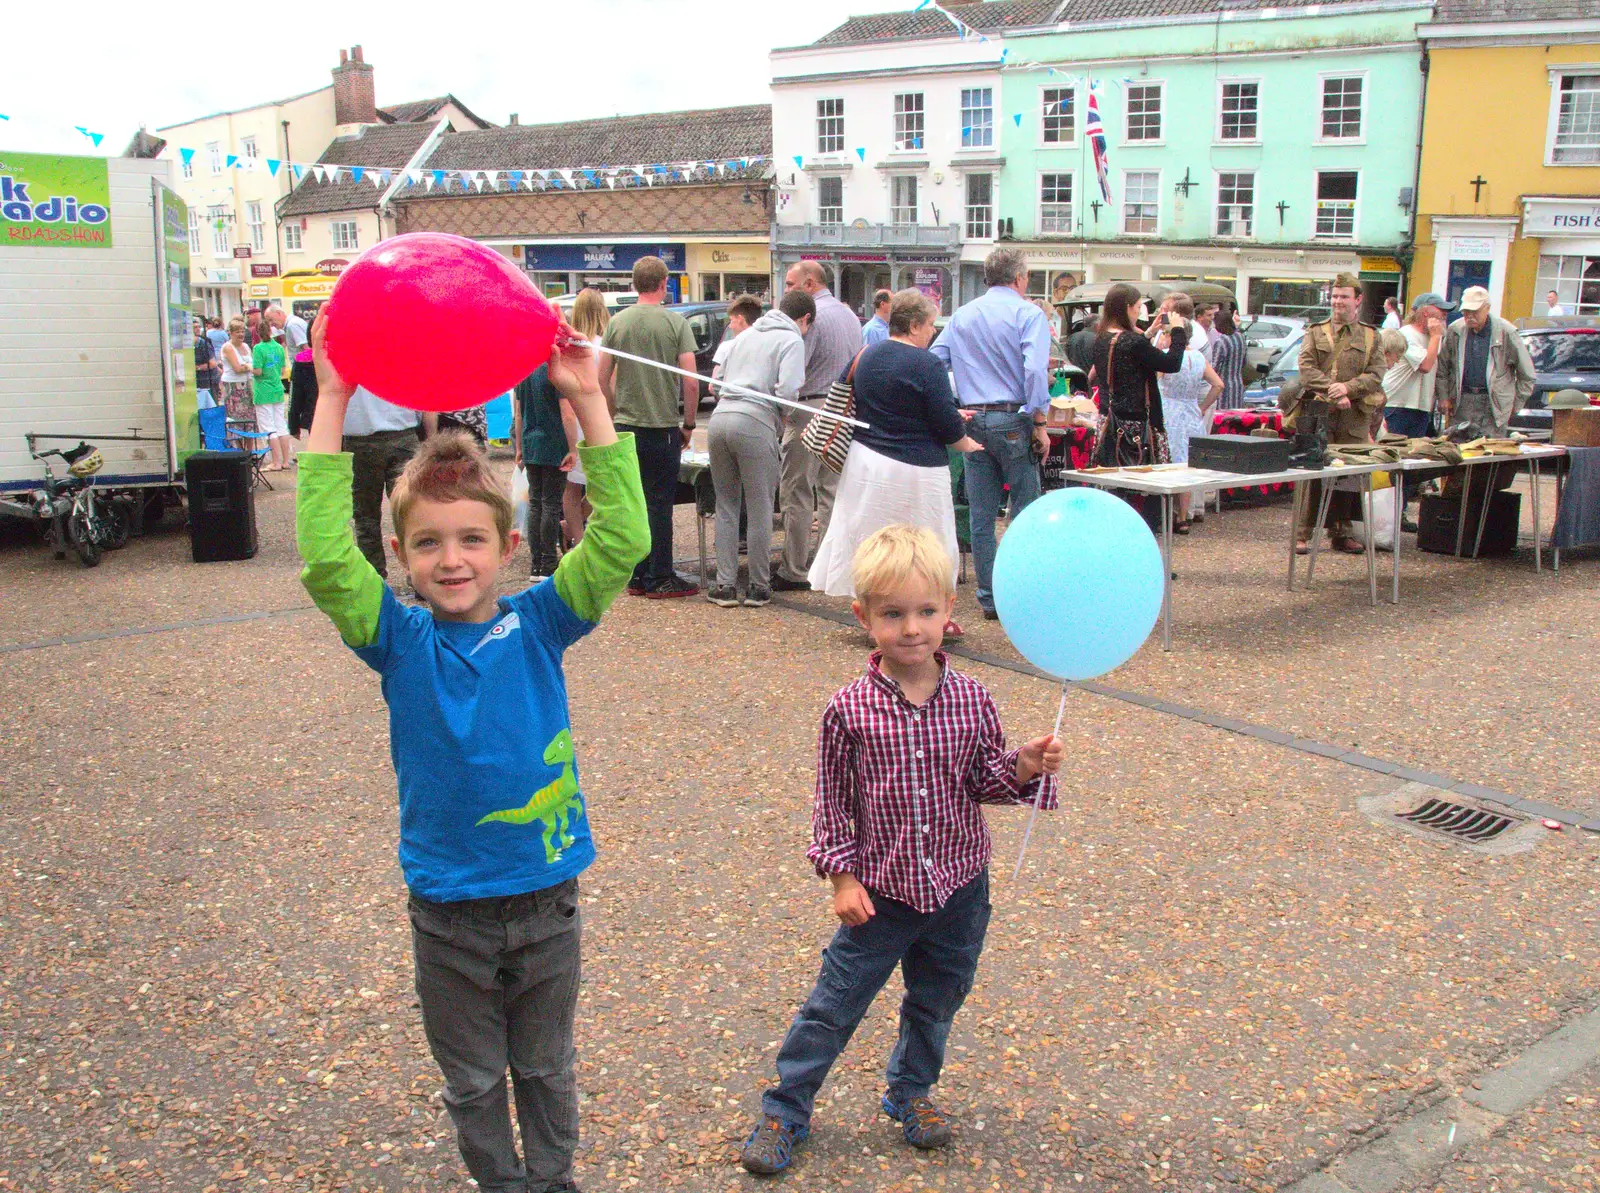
222 506
1436 524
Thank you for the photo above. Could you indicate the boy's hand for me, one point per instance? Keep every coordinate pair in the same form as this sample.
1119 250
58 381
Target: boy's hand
574 365
851 903
1041 755
329 383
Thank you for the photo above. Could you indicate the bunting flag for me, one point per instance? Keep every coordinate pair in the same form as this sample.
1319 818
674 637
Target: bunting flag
1095 131
358 172
188 158
232 160
272 166
95 137
861 152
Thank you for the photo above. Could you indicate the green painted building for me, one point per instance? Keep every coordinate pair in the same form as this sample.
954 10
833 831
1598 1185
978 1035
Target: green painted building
1264 148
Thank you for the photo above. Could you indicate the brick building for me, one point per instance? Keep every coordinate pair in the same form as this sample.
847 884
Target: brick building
689 187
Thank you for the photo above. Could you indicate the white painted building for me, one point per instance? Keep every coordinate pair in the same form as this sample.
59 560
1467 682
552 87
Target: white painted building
885 154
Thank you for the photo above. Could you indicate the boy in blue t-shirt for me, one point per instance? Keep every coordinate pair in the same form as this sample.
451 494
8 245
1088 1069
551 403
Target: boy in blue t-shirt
493 829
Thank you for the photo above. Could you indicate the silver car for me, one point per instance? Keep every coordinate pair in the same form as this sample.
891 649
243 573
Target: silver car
1265 338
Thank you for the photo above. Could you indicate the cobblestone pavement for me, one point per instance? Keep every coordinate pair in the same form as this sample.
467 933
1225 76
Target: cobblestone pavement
1214 973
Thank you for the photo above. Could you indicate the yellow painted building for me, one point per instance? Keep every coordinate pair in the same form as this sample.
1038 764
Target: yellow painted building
1508 188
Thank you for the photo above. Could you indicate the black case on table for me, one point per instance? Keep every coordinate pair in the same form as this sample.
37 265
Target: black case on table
222 506
1239 453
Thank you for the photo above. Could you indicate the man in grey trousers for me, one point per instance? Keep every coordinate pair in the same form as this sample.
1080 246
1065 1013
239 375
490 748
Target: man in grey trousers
807 488
770 356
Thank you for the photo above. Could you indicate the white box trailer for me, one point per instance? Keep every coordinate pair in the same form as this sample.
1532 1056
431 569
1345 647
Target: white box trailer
96 334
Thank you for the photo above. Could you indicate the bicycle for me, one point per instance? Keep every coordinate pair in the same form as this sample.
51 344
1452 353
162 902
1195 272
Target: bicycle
71 513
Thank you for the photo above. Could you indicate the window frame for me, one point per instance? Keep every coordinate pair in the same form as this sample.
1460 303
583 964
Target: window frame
967 206
822 207
1217 130
823 120
256 222
299 239
354 245
1077 121
901 143
214 156
1322 80
186 168
1160 86
896 180
194 231
249 148
1122 223
1216 204
221 235
1039 201
1355 209
968 126
1556 73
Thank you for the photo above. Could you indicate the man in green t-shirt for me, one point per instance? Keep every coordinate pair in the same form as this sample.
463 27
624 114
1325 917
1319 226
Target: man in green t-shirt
646 402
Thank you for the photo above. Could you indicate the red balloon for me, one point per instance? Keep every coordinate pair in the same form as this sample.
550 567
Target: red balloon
437 322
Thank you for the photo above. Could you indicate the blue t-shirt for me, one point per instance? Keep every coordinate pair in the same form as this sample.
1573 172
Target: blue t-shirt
482 746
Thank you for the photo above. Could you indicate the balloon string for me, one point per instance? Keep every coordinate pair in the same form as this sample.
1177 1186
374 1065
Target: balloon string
1039 798
728 386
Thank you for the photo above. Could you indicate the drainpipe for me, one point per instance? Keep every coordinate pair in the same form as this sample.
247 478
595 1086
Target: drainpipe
1416 182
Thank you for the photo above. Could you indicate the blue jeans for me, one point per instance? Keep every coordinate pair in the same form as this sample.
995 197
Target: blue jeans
1411 423
1006 459
938 955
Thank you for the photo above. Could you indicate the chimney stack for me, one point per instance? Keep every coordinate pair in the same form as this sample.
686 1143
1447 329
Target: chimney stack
513 121
354 99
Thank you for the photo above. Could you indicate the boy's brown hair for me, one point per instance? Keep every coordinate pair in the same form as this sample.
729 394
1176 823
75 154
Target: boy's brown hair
1181 304
649 275
450 466
747 307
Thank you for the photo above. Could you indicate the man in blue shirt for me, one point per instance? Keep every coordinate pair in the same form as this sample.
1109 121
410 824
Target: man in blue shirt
876 329
998 346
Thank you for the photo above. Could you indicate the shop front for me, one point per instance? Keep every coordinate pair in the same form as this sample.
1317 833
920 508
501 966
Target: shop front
855 276
1472 251
721 270
565 267
1566 232
217 292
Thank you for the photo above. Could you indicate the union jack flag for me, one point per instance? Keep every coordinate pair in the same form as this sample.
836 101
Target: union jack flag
1096 133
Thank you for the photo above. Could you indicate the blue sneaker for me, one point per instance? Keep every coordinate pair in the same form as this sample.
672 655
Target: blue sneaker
770 1148
923 1123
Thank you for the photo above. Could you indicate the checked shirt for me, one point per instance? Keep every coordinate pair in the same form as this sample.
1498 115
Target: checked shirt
899 787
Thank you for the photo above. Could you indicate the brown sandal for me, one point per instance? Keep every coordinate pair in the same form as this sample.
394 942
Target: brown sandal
1350 546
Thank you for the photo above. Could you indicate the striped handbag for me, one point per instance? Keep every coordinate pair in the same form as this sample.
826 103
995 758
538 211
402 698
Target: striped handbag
829 438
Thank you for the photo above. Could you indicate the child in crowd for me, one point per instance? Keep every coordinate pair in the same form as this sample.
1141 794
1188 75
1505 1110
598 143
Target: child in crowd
907 754
493 831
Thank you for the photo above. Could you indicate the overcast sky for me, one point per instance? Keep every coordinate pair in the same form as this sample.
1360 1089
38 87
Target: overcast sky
545 60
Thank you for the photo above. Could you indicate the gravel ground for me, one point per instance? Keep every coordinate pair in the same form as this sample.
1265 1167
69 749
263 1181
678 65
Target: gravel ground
1214 973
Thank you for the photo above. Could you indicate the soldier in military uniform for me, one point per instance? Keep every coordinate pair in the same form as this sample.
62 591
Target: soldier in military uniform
1342 367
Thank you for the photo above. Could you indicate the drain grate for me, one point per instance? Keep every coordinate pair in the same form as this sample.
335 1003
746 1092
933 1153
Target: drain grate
1461 821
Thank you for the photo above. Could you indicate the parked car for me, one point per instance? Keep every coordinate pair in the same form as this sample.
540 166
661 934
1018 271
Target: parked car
1269 379
1265 338
1566 355
615 301
708 321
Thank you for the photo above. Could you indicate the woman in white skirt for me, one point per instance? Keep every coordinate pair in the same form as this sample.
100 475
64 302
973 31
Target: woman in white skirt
1184 410
898 469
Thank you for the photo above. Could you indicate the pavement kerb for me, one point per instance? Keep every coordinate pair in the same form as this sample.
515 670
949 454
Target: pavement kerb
1247 729
1416 1146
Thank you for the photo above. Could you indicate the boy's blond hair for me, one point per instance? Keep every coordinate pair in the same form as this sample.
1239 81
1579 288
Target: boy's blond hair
1393 343
891 556
450 466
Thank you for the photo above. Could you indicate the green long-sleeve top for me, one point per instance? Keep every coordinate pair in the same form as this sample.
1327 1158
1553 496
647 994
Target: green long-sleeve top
479 730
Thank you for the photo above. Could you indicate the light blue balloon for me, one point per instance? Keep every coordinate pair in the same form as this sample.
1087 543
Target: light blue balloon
1077 582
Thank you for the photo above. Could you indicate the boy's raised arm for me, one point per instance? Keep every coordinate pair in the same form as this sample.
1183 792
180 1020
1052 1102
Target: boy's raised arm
339 579
617 535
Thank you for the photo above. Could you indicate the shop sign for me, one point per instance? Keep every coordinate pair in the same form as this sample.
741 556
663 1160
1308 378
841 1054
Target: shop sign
922 260
49 201
1472 248
1116 256
930 282
865 258
266 270
1339 262
333 265
308 287
222 277
1542 217
1287 260
242 251
258 290
1379 265
740 258
1057 254
598 258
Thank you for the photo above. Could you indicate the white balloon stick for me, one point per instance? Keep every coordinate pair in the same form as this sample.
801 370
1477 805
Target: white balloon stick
1033 815
728 386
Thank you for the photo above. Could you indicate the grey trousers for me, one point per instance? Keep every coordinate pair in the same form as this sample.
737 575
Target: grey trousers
744 473
379 460
806 490
498 984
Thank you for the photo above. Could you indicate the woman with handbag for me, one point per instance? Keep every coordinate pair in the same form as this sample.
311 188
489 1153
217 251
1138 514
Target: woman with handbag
897 469
1133 428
